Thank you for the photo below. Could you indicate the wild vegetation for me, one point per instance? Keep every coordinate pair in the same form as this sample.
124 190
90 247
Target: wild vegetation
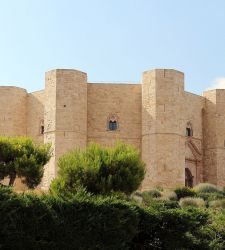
93 204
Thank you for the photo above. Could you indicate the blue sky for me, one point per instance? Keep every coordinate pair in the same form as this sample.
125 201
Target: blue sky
112 40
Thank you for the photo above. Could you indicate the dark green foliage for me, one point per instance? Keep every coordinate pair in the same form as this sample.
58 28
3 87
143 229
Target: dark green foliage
21 157
211 196
182 192
95 222
5 192
32 222
216 229
162 204
100 170
171 229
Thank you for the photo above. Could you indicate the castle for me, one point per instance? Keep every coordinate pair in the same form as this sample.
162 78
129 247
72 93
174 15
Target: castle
181 135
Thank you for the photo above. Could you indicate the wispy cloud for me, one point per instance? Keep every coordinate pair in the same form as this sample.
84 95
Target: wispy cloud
218 83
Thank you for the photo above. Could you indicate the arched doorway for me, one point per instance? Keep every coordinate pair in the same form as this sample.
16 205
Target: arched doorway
188 178
193 162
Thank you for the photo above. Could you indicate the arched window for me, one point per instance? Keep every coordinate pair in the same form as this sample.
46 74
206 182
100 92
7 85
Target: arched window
112 123
42 128
189 130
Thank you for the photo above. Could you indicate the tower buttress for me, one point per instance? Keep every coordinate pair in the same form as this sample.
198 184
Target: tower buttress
65 115
163 147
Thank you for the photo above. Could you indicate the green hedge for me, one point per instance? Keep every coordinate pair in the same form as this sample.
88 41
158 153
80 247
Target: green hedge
45 222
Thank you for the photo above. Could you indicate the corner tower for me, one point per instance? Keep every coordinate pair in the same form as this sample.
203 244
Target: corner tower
214 137
65 116
163 145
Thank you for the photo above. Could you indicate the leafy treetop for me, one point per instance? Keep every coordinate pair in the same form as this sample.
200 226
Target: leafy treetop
21 157
100 170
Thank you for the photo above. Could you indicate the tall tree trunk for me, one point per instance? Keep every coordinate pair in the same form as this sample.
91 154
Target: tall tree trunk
12 178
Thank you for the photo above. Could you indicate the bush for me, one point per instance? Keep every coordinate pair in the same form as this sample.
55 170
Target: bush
100 170
169 195
182 192
191 202
137 197
211 196
206 188
149 195
216 229
153 193
162 204
94 222
32 222
170 229
217 203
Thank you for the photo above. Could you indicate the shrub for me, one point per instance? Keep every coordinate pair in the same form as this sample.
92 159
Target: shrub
149 195
170 195
100 170
153 193
216 229
164 228
44 222
182 192
162 204
191 202
211 196
137 196
217 203
94 222
206 188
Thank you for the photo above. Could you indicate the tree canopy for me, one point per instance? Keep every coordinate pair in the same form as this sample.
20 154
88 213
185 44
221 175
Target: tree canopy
21 157
100 170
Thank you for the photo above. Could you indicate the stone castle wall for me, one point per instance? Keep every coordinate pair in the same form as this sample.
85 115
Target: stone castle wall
153 116
13 108
122 100
35 115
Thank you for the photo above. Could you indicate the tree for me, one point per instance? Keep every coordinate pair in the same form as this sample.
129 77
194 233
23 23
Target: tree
21 157
100 170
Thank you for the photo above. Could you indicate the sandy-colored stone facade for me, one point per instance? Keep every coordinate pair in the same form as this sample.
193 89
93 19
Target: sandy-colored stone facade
181 136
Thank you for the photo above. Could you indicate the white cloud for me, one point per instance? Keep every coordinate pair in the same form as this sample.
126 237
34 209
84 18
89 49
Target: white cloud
218 83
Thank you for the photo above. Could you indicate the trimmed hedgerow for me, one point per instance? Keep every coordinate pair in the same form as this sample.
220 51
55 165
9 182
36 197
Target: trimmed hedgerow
94 222
171 229
52 223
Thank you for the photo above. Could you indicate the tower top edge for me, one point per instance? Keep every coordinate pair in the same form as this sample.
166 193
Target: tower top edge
62 70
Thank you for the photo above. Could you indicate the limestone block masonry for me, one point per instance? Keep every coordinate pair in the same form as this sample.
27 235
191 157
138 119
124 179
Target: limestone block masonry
180 135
